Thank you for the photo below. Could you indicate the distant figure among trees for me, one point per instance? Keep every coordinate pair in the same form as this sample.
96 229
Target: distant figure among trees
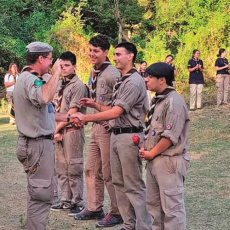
196 80
141 69
168 60
222 77
9 82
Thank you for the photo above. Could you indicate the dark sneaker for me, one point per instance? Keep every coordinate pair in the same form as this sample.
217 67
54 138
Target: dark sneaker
61 207
75 210
109 221
88 215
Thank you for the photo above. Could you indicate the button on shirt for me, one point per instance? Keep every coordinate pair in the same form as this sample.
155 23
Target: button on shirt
196 76
34 116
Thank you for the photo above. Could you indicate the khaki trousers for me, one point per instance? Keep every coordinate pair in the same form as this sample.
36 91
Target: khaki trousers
98 171
126 169
165 192
40 185
69 166
196 96
222 84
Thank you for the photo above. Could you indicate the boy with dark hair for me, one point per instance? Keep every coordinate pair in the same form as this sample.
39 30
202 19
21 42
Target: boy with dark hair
69 139
165 149
97 169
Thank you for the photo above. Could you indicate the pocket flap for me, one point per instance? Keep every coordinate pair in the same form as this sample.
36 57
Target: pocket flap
76 161
174 192
39 183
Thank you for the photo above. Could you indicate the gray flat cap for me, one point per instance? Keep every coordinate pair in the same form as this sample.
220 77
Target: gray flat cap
39 47
161 69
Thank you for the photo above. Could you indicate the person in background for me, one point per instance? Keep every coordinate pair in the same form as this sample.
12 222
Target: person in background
141 69
222 77
196 80
9 82
168 60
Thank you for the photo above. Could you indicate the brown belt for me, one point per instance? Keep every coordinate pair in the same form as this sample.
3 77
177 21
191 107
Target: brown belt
66 130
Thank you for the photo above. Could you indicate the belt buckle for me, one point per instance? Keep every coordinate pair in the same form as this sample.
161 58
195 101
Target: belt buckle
120 130
52 136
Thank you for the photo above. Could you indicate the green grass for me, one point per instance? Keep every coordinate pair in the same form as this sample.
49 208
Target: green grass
207 186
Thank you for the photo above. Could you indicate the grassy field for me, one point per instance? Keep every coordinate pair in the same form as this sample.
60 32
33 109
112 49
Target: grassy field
207 187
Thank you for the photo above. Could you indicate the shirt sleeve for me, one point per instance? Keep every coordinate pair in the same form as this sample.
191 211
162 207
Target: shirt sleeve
217 63
190 64
6 78
202 65
34 91
174 123
127 98
79 92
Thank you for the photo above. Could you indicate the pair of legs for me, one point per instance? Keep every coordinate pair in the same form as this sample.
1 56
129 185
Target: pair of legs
196 96
69 166
222 85
9 98
40 179
165 192
126 169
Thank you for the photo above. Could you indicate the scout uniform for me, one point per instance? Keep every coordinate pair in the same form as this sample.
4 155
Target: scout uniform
97 169
222 81
126 165
35 150
166 172
69 151
196 81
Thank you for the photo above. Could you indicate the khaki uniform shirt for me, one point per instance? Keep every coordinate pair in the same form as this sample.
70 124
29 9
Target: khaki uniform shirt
34 117
105 82
132 97
170 120
73 92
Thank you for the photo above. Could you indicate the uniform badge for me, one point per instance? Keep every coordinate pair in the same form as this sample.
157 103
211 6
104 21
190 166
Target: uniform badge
67 101
169 127
101 98
153 133
102 85
50 108
38 83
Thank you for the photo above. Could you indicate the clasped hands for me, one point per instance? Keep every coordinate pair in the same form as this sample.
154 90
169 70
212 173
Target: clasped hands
78 119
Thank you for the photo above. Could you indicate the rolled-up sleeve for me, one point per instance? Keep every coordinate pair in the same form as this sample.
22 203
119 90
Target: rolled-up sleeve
128 97
174 123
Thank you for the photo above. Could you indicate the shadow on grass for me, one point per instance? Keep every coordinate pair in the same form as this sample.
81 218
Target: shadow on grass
4 120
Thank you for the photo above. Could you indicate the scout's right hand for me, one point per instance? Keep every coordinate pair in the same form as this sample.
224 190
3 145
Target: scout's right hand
57 67
87 102
78 119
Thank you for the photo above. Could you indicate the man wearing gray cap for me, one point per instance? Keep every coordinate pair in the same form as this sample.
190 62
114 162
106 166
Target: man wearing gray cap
36 124
165 149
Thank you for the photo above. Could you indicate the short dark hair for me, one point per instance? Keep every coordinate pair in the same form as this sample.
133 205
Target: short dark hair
143 62
31 58
69 56
130 47
101 41
170 55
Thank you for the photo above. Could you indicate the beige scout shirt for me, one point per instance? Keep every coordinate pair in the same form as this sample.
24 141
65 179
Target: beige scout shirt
34 117
170 120
73 92
132 97
105 82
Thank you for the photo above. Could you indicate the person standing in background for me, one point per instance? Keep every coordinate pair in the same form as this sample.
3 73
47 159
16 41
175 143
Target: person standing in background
196 80
168 60
141 69
9 82
222 77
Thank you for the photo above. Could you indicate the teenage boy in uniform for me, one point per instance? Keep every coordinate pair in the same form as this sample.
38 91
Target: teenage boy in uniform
126 115
165 149
97 170
69 139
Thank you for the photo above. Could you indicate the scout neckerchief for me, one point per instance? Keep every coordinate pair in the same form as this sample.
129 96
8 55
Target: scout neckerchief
65 81
36 82
96 73
155 99
118 84
197 61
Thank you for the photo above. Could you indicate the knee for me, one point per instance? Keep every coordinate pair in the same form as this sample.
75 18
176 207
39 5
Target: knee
76 167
